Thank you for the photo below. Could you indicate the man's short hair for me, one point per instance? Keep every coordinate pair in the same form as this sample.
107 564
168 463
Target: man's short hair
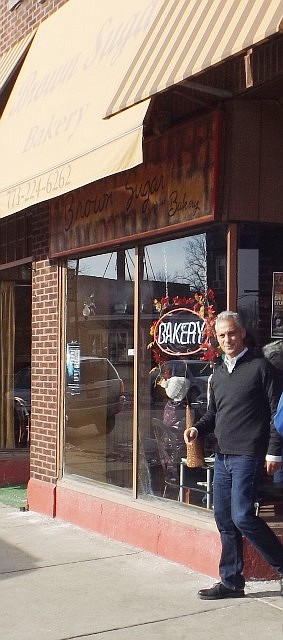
227 315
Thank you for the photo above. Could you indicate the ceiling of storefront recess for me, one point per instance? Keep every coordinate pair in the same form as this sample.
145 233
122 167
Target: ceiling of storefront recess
219 84
189 36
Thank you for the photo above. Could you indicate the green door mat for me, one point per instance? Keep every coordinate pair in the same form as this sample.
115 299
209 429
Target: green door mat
14 496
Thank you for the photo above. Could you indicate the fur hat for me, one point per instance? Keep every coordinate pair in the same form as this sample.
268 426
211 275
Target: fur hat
176 387
273 351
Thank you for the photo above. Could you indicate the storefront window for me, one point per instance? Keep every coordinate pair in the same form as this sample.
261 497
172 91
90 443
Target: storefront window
260 268
174 376
100 351
248 278
99 361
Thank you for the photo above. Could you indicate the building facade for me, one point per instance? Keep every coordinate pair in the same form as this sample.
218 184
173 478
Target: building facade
105 264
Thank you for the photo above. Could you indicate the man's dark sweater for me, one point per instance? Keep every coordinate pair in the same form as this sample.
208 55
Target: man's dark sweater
241 408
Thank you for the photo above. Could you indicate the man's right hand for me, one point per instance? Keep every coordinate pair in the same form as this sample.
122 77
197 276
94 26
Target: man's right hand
190 434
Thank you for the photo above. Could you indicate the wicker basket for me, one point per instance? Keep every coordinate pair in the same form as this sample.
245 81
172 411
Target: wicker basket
195 454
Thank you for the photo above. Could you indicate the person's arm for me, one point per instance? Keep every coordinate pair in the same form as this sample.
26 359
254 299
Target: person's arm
205 424
274 453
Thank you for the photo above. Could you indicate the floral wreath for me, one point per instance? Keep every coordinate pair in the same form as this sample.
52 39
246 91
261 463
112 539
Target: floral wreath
203 305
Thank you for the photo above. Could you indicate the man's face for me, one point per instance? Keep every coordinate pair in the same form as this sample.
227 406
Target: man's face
230 337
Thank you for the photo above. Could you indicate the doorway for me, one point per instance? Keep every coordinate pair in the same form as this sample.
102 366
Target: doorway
15 368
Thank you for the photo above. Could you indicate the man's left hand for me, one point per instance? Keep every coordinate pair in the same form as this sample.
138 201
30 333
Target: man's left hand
271 467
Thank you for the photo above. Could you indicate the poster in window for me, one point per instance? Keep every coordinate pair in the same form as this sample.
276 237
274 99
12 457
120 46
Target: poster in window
277 306
73 365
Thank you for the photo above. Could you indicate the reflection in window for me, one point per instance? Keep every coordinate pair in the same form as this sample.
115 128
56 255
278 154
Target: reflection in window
174 269
98 433
248 278
15 335
259 257
99 332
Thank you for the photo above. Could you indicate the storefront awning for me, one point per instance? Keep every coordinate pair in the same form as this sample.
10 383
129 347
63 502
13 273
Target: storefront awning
189 36
10 60
53 138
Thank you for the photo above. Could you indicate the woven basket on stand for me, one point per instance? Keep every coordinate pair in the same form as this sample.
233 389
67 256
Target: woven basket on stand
195 454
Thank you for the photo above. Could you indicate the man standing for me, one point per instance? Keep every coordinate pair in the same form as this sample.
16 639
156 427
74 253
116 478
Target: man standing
242 402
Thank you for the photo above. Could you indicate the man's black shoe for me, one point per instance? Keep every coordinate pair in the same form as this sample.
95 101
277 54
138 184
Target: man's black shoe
219 591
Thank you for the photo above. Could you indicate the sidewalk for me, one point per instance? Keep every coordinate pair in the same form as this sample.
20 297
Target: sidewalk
60 582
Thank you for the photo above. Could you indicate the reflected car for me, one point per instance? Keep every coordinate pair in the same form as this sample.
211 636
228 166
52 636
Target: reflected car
201 370
22 381
20 392
97 397
196 371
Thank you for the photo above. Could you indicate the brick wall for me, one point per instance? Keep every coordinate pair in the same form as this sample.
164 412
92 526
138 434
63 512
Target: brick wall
23 19
44 353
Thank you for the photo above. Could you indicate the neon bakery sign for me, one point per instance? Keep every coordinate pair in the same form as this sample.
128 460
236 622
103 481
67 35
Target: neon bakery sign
179 332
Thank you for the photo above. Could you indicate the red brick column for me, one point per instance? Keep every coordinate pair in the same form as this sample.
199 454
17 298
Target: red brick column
44 367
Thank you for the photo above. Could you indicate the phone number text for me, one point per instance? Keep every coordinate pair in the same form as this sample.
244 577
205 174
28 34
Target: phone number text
33 190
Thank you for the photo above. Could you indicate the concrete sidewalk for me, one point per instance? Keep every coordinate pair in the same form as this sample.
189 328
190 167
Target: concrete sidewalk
60 582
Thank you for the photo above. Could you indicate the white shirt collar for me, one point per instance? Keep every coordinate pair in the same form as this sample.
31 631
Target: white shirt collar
231 362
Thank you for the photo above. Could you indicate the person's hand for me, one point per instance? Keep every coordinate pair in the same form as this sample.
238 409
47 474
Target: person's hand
190 434
272 466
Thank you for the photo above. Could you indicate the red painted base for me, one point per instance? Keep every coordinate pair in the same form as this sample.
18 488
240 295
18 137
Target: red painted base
41 497
195 546
14 469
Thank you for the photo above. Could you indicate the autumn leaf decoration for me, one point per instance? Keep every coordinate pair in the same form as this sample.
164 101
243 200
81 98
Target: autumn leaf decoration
201 303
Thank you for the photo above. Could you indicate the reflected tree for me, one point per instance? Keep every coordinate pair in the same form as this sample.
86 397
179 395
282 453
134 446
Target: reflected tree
195 266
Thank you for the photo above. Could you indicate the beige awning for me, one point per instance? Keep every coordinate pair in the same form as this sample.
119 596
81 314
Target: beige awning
52 133
189 36
10 60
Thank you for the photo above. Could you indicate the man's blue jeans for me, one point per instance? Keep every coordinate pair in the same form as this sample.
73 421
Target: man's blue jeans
235 490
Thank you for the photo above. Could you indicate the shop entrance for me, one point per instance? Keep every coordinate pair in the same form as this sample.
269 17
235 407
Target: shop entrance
15 361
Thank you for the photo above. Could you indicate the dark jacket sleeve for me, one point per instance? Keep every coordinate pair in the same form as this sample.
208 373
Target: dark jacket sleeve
206 423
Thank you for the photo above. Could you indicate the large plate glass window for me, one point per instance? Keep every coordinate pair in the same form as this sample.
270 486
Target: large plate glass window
99 368
172 372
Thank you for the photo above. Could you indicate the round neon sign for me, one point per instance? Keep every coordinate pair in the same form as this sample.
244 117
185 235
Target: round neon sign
178 332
